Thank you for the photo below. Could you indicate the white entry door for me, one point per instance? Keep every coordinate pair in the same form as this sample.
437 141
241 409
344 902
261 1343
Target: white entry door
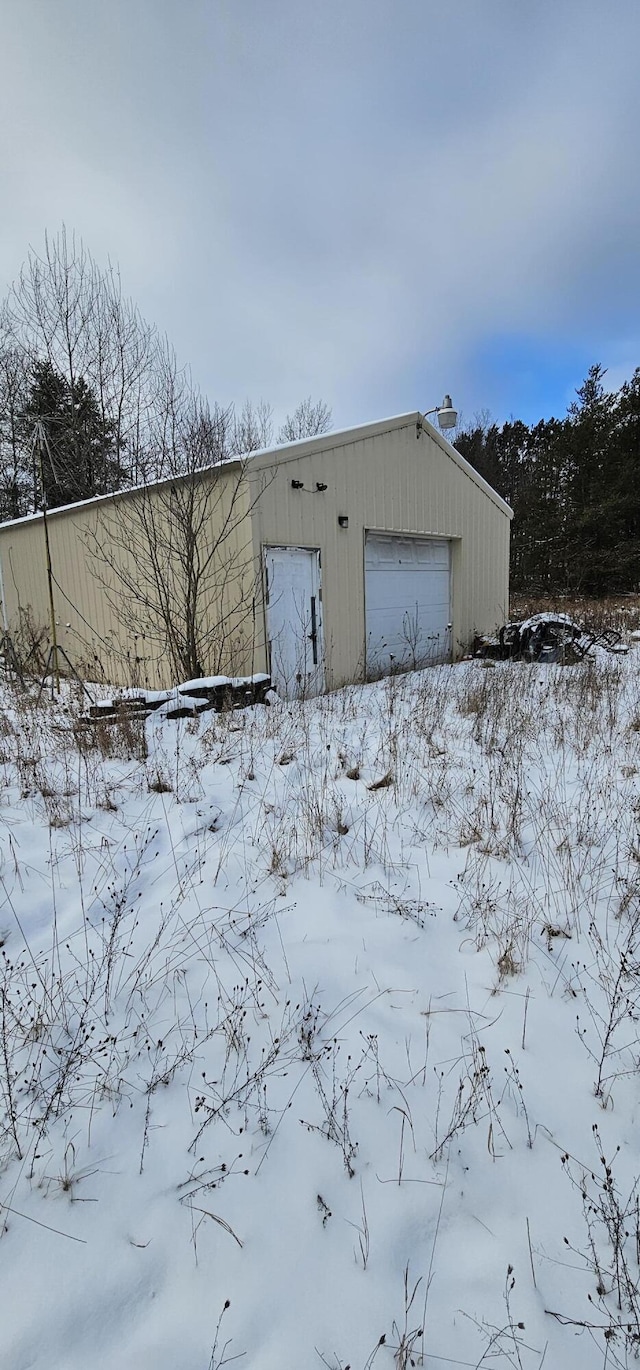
408 601
294 620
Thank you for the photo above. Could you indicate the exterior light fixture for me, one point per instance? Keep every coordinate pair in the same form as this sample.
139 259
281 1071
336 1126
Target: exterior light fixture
297 485
320 486
343 520
447 415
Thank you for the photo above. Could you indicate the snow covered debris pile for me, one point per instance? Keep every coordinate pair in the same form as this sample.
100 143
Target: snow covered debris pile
193 697
319 1029
548 638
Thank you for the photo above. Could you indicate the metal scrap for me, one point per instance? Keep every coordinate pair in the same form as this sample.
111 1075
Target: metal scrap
548 638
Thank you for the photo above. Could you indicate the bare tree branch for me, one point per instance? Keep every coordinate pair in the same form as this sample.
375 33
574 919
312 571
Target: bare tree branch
306 421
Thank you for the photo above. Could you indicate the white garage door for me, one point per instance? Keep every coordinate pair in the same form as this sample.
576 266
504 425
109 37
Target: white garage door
408 601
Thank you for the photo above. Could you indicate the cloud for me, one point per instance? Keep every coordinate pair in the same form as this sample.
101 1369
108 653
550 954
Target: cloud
338 200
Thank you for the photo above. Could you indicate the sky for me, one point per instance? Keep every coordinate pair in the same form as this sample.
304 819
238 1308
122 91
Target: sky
368 201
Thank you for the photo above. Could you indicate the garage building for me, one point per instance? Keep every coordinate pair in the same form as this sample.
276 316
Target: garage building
343 556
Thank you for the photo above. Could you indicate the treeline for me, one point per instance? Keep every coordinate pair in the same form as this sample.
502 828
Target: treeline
92 399
574 486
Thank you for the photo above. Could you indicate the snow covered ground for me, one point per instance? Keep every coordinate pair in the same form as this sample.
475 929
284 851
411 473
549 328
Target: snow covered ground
319 1029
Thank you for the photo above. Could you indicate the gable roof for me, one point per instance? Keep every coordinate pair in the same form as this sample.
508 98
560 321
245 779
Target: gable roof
290 451
342 437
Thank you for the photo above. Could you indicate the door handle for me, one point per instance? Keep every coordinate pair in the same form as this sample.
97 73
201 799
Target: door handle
313 635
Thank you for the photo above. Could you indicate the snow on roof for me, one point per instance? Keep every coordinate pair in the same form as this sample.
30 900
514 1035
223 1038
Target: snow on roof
278 452
264 456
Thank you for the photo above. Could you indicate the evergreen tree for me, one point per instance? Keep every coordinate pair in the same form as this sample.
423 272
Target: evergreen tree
574 486
81 457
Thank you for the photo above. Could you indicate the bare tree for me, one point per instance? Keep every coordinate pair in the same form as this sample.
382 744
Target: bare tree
175 559
306 421
252 428
66 312
17 472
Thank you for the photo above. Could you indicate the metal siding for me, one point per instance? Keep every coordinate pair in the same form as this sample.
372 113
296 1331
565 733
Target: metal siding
109 650
389 482
384 479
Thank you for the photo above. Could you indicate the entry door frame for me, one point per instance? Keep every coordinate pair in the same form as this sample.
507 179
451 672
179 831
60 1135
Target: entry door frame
315 685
